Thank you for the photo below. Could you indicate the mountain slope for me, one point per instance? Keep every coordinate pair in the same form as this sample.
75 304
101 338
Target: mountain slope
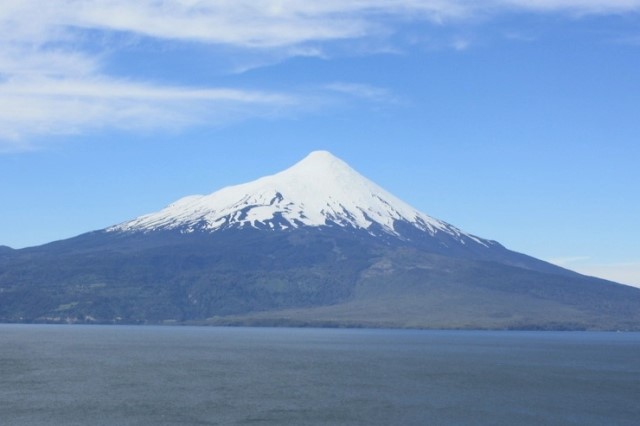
323 191
317 244
320 190
406 288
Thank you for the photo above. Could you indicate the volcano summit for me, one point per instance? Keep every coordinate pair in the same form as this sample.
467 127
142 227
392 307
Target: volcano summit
320 190
316 244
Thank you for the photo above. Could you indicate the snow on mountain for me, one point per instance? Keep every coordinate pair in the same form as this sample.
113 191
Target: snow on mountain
320 190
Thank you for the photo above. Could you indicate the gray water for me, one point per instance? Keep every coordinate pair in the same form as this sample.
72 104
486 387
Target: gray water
103 375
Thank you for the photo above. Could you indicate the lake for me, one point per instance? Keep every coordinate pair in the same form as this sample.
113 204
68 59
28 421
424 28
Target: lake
148 375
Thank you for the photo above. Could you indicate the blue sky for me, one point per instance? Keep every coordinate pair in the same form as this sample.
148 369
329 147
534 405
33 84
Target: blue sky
516 120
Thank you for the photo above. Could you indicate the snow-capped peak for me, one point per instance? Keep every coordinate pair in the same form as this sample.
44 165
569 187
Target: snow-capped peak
320 190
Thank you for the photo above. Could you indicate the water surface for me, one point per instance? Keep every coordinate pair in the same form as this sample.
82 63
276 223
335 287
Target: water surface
121 375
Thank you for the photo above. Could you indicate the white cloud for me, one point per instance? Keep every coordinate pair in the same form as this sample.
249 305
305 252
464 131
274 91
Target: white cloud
578 6
259 23
566 261
53 76
363 91
621 272
625 273
42 106
460 44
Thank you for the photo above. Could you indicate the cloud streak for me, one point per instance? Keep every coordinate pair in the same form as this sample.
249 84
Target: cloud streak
262 23
362 91
625 273
248 23
621 272
53 77
576 6
256 24
57 106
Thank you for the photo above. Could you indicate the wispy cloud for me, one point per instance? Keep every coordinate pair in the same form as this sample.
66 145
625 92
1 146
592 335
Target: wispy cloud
254 23
53 76
568 260
621 272
577 6
625 273
362 91
65 106
262 23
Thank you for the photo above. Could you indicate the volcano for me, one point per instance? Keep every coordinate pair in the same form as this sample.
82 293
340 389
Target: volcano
317 244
